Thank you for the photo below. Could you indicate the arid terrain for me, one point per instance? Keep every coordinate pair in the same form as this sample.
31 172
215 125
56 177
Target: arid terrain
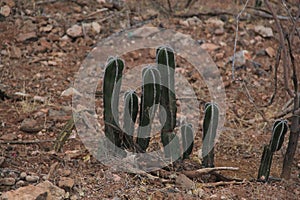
44 43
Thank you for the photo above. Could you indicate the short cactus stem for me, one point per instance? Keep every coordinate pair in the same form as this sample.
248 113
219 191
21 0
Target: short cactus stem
130 115
165 59
111 89
187 137
280 128
149 104
210 125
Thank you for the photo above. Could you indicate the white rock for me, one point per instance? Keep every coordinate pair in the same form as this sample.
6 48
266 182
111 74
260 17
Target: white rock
74 31
70 91
5 11
264 31
216 23
96 27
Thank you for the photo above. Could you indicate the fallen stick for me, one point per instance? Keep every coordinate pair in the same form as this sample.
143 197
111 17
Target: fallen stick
222 183
199 172
25 141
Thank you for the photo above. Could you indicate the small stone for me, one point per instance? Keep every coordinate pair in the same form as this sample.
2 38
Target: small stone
66 183
194 21
209 46
66 172
20 183
215 23
69 92
26 36
219 31
184 182
96 27
7 181
32 179
9 137
270 51
52 63
240 58
39 99
75 31
47 28
23 175
30 126
264 31
5 10
184 23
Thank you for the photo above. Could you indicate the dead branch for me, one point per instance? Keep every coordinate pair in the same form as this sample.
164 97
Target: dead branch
284 49
222 183
25 141
199 172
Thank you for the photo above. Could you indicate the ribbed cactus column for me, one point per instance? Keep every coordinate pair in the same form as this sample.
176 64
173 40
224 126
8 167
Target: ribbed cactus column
279 130
187 136
165 59
210 124
149 103
130 115
111 90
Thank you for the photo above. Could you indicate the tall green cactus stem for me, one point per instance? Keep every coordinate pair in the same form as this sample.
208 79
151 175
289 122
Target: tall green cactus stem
149 103
210 124
279 130
172 149
165 59
187 136
130 115
111 89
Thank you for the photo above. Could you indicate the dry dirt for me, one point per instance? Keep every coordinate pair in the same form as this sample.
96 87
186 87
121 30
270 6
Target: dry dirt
39 60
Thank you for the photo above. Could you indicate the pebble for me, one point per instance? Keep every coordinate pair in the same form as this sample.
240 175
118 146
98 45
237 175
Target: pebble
5 10
26 36
66 183
9 181
21 183
23 175
75 31
184 182
30 126
32 178
264 31
96 27
209 46
270 51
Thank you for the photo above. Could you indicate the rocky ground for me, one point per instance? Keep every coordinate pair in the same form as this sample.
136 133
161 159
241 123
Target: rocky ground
44 43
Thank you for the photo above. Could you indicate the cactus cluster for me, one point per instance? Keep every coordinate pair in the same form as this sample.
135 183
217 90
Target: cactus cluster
279 130
158 94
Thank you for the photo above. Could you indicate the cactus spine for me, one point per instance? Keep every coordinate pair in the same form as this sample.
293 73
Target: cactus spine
149 102
166 65
187 136
279 130
111 89
210 124
130 115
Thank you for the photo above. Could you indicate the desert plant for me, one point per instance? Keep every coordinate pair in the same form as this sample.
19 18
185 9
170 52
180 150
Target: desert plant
279 130
149 103
130 115
210 124
187 135
111 89
165 59
157 90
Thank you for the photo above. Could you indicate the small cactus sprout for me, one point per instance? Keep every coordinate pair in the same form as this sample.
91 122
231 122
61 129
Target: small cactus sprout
187 136
130 115
165 59
279 130
210 124
149 104
172 149
111 89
